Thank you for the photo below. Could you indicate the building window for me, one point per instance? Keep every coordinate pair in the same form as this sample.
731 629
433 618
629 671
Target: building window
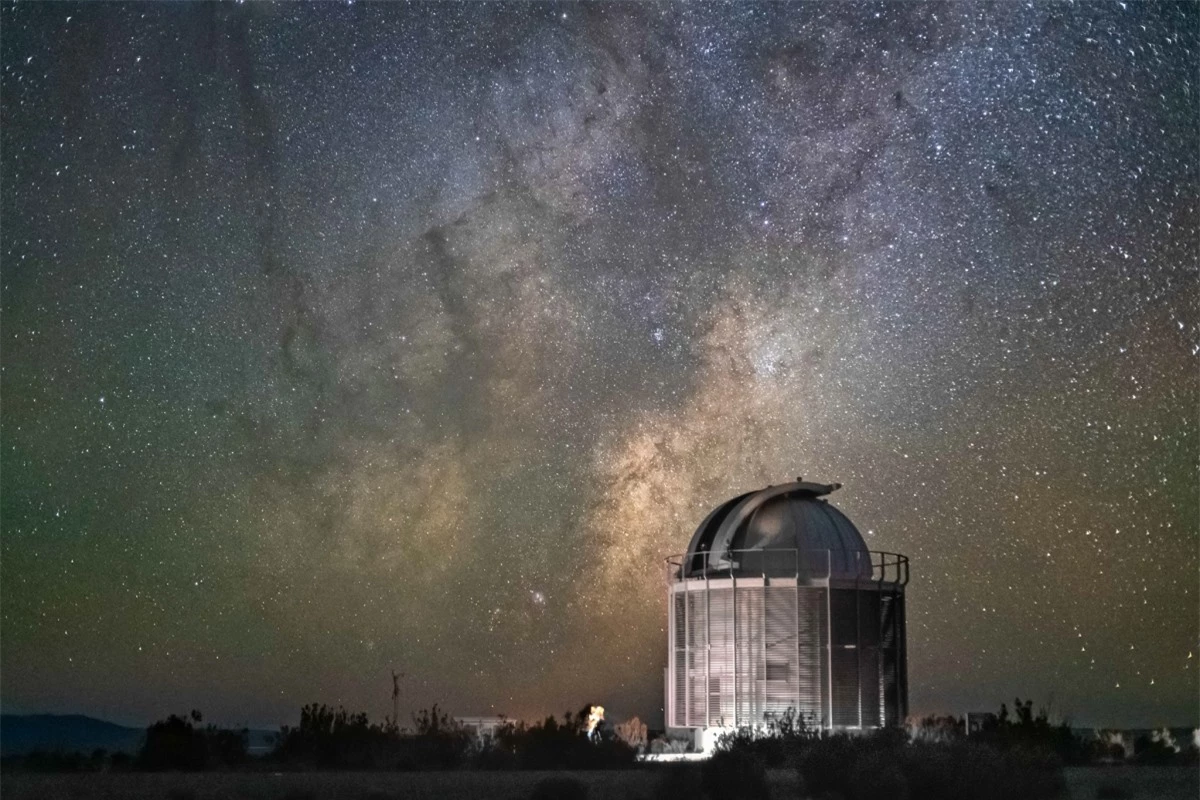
778 670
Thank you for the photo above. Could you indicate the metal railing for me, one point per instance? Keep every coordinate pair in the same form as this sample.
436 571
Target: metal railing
875 566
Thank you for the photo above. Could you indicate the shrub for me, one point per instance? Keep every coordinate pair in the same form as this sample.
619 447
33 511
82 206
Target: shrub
825 764
979 771
1006 760
554 745
1157 748
930 770
735 774
776 743
677 780
338 739
1032 731
661 744
877 776
441 742
176 743
935 728
1033 773
633 733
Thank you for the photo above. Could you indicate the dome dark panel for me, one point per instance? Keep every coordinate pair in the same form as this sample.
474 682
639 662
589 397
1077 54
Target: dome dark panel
702 538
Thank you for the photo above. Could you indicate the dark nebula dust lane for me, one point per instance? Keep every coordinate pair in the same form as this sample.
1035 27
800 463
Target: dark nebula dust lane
338 339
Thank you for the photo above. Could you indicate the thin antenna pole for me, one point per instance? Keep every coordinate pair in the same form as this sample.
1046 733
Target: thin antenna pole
396 676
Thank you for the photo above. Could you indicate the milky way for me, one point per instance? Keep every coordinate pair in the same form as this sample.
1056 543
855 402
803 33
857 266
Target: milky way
344 338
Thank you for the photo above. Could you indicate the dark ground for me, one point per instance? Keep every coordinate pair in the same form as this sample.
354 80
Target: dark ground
1132 783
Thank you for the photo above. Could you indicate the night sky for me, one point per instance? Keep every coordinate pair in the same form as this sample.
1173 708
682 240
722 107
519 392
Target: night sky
340 339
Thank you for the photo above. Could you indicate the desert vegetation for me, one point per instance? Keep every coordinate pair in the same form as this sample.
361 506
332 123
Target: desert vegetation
1016 753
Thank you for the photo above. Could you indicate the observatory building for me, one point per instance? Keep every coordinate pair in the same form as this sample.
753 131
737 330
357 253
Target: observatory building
778 605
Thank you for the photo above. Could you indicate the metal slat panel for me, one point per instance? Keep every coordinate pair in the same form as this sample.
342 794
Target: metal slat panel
892 692
888 705
812 654
902 658
749 653
887 621
843 613
720 656
869 686
844 692
679 652
680 628
698 652
845 687
782 668
868 618
888 689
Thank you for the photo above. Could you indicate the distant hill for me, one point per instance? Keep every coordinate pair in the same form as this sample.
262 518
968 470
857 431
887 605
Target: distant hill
24 733
69 733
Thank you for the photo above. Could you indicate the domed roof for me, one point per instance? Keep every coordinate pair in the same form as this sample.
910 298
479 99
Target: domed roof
790 517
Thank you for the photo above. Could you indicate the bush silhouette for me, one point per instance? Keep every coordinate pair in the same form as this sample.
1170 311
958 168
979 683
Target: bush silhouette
554 745
679 779
176 743
1014 757
338 739
878 776
825 764
738 773
329 738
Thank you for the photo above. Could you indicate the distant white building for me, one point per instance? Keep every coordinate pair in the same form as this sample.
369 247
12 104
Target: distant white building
979 721
482 727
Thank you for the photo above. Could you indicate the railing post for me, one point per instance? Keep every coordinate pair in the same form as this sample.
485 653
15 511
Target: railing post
733 638
687 655
707 652
858 639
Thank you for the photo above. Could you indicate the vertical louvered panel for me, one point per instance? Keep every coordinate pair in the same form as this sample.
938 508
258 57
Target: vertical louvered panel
825 653
811 653
748 635
869 632
902 658
887 660
868 663
843 614
697 650
720 657
891 648
843 620
680 656
844 663
782 668
680 628
868 618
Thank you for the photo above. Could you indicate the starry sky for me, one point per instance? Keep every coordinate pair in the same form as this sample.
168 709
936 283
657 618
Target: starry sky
344 338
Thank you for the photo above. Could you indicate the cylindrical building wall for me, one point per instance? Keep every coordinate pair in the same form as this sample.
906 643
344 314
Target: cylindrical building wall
748 650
